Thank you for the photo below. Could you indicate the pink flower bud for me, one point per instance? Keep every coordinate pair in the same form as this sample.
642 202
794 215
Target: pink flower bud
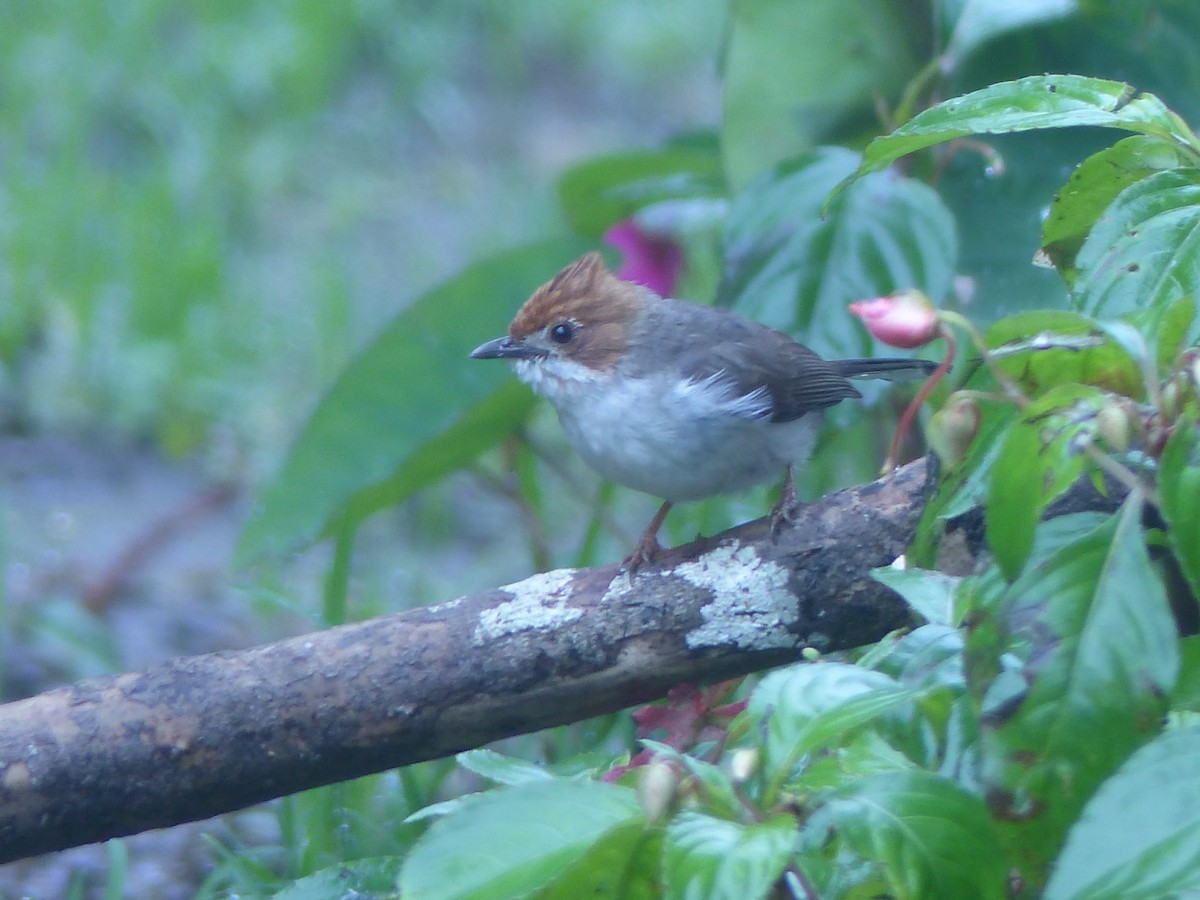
649 259
906 319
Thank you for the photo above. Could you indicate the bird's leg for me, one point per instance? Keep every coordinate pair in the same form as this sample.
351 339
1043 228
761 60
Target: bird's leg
648 547
786 511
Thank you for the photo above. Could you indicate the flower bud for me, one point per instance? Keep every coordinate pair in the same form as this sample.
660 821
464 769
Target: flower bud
906 319
742 763
656 786
953 427
1115 426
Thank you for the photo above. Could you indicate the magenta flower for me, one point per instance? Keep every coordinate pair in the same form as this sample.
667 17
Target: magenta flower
652 260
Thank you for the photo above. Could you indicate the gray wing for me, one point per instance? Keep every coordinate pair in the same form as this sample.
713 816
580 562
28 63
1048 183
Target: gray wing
755 358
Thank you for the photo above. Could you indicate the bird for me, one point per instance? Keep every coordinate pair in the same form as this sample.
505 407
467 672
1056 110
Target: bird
672 398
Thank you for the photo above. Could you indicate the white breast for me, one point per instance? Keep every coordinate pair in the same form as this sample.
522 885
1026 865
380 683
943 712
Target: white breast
676 440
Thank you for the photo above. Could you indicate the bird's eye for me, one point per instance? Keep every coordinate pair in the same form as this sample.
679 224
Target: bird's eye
562 332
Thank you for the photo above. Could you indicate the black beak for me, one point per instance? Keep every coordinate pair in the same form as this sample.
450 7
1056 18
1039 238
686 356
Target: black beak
506 348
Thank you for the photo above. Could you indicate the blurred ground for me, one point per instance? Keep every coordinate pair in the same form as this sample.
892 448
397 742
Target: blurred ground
116 525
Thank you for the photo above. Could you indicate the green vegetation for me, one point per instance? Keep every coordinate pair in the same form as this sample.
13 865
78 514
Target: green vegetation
1025 737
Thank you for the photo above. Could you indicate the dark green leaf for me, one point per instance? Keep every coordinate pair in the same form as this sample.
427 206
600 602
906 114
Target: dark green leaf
789 267
1100 657
380 430
1186 695
362 879
1139 836
928 592
1035 102
1045 348
1117 275
715 858
1093 185
1179 488
511 842
796 76
601 191
928 835
1042 457
809 707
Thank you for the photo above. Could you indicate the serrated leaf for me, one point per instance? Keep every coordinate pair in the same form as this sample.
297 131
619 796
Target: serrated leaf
511 842
796 76
1179 489
603 190
409 408
809 707
1093 185
1139 836
1046 348
1042 457
501 769
795 270
362 879
930 593
1027 104
1101 657
929 836
706 857
1143 254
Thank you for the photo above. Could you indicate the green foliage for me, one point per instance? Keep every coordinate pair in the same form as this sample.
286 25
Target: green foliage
1031 737
1005 746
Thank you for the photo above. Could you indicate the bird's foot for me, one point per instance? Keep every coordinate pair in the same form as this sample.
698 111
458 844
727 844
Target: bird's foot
648 547
645 552
787 511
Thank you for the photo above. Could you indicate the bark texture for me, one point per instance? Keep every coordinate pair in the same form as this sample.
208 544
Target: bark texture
203 735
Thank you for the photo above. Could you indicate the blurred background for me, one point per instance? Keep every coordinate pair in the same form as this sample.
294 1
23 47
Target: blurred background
208 210
205 210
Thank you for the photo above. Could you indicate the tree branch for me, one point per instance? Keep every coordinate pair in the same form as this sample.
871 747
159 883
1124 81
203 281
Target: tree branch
204 735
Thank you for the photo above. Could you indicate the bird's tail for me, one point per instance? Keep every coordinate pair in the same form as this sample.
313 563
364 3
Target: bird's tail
889 368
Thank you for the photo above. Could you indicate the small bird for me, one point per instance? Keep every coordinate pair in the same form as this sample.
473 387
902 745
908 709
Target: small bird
671 398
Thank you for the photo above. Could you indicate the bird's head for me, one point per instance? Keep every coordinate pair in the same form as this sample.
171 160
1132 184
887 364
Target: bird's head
578 323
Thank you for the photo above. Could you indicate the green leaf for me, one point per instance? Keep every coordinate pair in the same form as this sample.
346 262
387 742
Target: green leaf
983 20
409 409
364 879
799 75
624 864
809 707
1186 695
1117 275
502 769
512 842
930 836
1035 102
1042 456
1046 348
705 857
1093 185
1179 489
1101 656
1139 836
928 592
795 270
603 190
